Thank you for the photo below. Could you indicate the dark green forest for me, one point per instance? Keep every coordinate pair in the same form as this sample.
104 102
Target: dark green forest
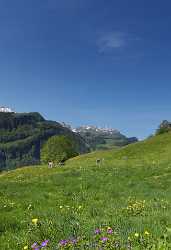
23 134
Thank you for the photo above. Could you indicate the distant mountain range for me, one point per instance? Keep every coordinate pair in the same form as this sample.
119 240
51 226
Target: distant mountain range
103 138
23 134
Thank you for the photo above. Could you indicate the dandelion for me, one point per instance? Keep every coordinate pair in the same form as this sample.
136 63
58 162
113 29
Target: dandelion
146 233
136 235
34 221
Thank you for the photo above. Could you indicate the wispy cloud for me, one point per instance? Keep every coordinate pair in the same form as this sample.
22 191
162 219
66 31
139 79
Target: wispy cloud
113 40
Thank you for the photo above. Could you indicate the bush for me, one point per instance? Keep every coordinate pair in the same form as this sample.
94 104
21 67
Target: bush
164 127
58 149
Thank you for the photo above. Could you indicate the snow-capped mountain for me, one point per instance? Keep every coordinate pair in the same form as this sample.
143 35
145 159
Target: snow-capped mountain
95 129
102 138
6 109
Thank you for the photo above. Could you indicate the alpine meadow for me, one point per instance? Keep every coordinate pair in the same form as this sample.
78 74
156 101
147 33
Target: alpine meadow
122 203
85 125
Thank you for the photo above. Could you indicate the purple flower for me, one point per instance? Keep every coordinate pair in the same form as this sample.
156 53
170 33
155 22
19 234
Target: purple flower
74 241
44 243
35 246
97 231
104 239
63 242
109 231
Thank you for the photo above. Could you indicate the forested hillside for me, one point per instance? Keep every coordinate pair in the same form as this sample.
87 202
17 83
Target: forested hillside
22 135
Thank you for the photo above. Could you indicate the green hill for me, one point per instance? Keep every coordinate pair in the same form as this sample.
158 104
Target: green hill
154 149
130 192
22 135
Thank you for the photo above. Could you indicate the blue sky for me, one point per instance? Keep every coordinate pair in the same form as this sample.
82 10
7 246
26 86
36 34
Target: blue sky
106 63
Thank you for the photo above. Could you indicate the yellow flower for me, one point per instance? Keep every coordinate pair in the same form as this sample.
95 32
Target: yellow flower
146 233
25 247
136 234
61 207
34 221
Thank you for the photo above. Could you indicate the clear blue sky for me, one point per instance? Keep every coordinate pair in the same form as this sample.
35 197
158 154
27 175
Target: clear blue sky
100 62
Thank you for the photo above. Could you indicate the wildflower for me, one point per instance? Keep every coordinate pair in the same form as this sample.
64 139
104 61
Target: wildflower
117 244
97 231
104 239
136 235
35 245
34 221
146 233
74 241
25 247
44 243
29 206
61 207
63 242
109 230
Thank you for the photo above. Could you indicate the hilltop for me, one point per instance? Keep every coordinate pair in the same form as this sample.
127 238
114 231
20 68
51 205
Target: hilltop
22 135
128 193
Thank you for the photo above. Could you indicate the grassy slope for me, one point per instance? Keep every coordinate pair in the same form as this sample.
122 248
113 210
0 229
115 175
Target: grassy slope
103 192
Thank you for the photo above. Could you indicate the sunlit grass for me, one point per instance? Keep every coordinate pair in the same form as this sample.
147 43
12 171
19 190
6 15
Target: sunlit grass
130 194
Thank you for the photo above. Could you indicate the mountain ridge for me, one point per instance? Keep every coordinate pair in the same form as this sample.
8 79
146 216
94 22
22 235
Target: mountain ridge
103 138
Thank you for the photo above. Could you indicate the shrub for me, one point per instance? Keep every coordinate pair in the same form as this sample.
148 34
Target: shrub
58 149
164 127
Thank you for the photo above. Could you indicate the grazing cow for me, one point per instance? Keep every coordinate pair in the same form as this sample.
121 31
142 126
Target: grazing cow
99 161
50 164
